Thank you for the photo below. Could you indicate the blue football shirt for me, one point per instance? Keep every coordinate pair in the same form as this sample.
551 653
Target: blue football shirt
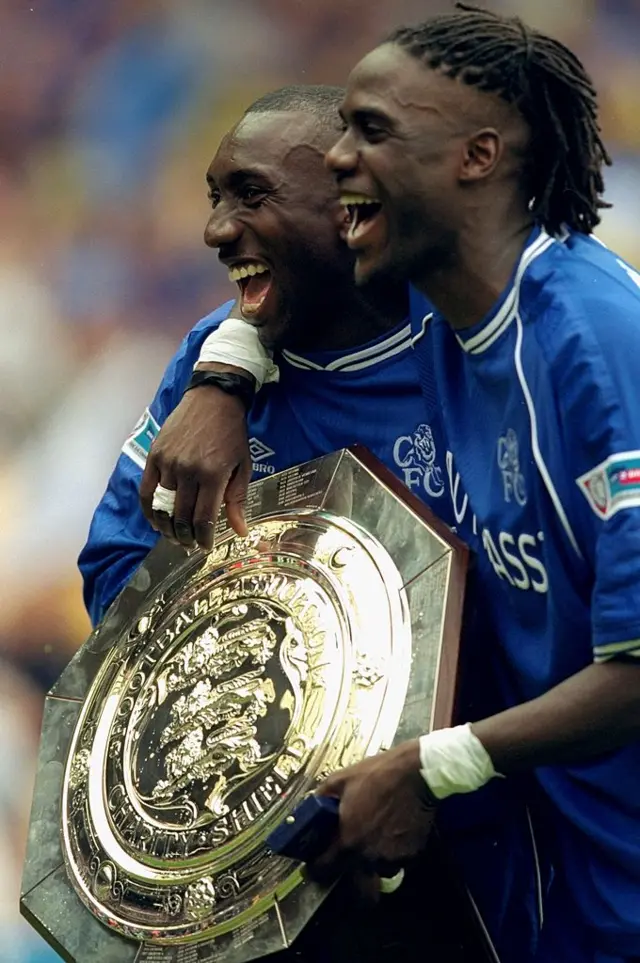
540 408
323 401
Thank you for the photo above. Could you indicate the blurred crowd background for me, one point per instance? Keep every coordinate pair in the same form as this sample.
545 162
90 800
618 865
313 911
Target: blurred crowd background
110 111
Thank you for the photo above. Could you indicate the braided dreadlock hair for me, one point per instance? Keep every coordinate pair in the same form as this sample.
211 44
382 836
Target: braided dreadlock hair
548 85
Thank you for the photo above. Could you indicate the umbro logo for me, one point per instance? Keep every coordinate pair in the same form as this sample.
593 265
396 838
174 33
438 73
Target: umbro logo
259 453
258 450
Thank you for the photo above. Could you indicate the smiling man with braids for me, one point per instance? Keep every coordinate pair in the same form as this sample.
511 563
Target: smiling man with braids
471 162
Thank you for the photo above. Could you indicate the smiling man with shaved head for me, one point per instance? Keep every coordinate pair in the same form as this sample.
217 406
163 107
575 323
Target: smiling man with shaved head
276 224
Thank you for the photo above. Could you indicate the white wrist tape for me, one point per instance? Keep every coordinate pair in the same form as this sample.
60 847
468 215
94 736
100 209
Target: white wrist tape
454 761
236 342
389 884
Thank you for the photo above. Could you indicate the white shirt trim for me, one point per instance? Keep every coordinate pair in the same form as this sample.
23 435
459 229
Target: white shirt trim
538 872
497 326
489 942
423 327
602 653
357 360
535 447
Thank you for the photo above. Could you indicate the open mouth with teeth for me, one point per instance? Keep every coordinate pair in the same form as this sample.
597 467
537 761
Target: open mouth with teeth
363 212
254 281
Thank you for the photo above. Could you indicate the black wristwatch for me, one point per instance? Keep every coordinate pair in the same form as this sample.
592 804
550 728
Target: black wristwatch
232 384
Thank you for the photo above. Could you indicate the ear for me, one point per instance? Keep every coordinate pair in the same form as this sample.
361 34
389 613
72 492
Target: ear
481 155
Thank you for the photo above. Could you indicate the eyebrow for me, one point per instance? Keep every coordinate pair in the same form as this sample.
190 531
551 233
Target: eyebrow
360 115
237 178
371 113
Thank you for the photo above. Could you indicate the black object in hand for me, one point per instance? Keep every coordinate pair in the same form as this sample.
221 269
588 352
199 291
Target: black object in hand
308 831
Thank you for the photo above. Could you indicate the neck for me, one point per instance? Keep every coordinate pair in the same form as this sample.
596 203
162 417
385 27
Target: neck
465 285
352 317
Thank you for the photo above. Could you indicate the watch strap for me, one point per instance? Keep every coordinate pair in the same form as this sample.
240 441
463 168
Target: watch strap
227 381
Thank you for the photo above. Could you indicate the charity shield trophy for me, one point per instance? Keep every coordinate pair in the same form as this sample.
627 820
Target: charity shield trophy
219 691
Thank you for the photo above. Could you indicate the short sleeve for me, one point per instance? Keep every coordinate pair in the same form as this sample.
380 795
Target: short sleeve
120 536
597 378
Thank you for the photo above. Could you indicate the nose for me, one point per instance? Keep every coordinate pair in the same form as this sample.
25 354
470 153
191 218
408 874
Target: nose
342 159
222 228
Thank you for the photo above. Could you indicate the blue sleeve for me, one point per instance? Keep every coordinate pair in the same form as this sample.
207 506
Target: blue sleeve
120 536
119 539
598 392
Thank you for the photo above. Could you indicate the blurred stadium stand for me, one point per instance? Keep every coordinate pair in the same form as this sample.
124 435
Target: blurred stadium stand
109 114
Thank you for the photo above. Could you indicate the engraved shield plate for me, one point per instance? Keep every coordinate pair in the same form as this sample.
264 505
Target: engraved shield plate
220 689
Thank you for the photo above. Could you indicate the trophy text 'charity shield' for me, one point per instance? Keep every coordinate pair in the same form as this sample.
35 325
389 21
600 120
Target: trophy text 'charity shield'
218 691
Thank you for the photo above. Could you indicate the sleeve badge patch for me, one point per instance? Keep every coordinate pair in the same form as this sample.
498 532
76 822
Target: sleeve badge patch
613 484
138 444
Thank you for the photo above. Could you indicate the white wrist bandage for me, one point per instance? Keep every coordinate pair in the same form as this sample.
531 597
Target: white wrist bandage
237 343
454 761
389 884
